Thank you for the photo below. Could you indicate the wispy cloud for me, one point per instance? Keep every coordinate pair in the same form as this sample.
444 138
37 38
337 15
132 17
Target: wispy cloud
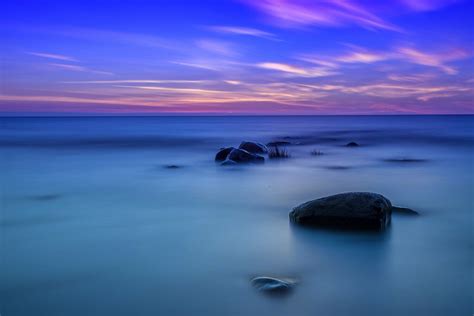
407 90
199 65
138 81
238 30
192 94
61 63
53 56
362 57
294 70
77 68
105 36
427 5
415 78
336 13
217 47
434 60
297 13
358 55
283 67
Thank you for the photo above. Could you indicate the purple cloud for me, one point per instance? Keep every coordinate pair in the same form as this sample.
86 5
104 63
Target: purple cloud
302 13
53 56
247 31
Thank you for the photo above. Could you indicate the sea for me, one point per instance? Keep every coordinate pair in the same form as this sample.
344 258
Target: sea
132 216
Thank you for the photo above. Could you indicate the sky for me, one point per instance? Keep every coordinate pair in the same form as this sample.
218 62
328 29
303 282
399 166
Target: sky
277 57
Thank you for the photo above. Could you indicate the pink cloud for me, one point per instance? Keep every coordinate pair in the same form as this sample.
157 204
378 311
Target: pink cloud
217 47
238 30
301 13
286 13
79 69
362 57
437 60
53 56
296 71
358 55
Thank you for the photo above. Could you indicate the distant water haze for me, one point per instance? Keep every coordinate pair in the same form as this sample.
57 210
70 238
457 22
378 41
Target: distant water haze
94 221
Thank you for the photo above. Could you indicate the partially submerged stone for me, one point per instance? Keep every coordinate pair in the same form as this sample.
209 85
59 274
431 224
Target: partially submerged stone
243 156
405 160
254 147
272 285
352 144
223 153
404 211
228 162
361 210
278 143
232 155
172 167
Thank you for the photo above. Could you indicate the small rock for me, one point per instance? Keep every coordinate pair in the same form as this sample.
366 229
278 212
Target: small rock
243 156
45 197
223 153
352 144
272 285
172 167
404 211
278 143
404 160
228 162
253 147
337 167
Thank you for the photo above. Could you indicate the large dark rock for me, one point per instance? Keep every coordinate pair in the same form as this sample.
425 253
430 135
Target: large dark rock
253 147
272 285
351 210
243 156
223 153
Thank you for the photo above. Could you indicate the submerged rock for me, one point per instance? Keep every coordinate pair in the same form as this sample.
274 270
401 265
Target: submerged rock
172 167
404 211
232 155
405 160
223 153
228 162
337 167
278 143
352 144
352 210
272 285
45 197
243 156
253 147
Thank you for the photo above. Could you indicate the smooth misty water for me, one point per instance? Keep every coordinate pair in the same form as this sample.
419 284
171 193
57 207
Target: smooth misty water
93 224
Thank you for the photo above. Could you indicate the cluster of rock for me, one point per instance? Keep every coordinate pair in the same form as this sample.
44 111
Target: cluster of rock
248 152
353 210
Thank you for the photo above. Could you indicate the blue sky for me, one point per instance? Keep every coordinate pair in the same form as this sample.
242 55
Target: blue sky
237 57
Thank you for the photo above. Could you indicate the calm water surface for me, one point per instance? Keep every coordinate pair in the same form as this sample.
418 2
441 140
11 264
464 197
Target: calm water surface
92 223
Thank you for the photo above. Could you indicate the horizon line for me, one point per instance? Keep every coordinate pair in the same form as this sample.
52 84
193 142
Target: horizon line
78 115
